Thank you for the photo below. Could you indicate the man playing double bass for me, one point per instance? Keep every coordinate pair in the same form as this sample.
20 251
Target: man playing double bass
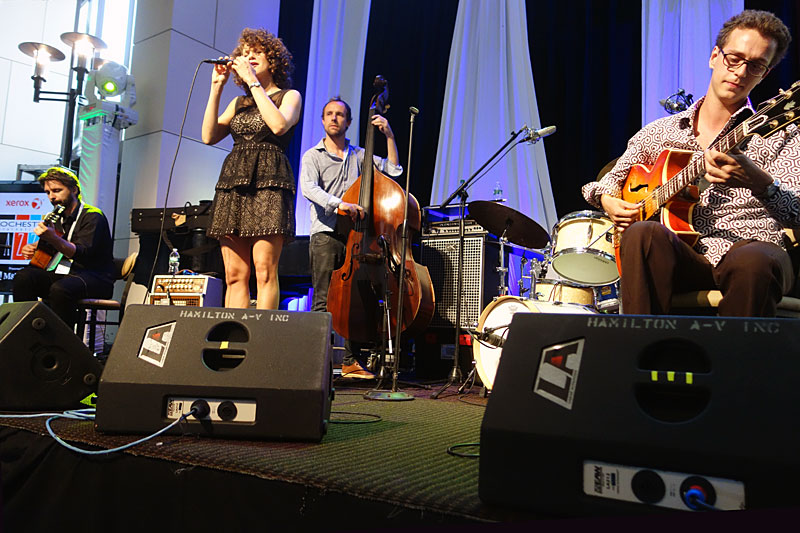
326 172
747 196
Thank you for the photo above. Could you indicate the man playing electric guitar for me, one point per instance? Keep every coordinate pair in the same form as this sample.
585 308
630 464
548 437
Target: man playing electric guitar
83 266
746 196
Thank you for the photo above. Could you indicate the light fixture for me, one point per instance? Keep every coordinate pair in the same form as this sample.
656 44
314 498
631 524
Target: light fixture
83 49
42 55
111 79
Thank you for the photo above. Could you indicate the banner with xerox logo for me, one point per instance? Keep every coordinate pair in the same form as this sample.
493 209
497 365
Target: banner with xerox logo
20 212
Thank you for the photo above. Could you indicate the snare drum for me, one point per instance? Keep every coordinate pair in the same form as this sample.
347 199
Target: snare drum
497 317
560 292
583 249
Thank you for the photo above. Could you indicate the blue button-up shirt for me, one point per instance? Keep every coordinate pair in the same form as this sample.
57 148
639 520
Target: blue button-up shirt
325 177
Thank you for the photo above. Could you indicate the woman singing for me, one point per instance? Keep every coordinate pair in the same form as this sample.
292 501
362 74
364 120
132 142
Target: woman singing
253 210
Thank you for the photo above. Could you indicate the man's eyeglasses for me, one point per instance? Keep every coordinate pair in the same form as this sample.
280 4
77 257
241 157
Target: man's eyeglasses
734 61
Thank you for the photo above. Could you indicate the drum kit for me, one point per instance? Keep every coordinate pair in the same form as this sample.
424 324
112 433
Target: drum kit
577 273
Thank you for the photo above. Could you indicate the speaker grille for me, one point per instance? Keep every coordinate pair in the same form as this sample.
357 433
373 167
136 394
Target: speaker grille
479 283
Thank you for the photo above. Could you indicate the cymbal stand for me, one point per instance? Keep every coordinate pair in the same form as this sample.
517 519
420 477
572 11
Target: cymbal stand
522 277
461 192
502 269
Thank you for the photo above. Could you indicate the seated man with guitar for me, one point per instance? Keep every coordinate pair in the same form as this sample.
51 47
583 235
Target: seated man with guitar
724 181
73 257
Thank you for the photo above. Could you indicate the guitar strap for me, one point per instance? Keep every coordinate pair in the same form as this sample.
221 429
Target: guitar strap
59 263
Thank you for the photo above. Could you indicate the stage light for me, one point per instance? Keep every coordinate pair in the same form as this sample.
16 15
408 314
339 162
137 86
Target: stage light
111 79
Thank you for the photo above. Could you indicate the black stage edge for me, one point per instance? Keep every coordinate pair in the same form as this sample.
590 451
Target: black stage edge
392 473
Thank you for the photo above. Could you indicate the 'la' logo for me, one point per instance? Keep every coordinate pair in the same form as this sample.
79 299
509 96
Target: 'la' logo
558 372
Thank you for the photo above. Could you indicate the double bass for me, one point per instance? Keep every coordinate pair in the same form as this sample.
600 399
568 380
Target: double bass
373 262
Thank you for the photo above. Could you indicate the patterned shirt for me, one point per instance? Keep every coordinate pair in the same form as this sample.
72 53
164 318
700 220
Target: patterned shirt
724 214
325 177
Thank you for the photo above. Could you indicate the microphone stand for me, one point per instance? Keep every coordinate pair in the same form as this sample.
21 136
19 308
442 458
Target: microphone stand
394 394
461 192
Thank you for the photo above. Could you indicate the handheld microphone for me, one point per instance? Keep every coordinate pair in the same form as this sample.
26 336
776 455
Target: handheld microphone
531 135
216 61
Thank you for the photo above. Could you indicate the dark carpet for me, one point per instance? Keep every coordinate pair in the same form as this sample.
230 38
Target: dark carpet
391 452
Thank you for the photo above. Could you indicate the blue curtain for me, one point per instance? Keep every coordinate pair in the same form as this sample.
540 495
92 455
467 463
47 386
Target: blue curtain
677 39
335 67
489 94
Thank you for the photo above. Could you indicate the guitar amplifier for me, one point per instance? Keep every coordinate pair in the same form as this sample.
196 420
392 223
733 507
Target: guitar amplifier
194 291
480 277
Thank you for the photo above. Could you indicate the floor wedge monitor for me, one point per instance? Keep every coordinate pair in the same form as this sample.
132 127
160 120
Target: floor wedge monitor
592 414
43 364
253 373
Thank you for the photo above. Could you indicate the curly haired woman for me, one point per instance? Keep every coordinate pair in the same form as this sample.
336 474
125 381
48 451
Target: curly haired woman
253 210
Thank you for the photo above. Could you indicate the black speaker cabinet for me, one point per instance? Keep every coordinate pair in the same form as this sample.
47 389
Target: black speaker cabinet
262 374
43 364
480 281
625 414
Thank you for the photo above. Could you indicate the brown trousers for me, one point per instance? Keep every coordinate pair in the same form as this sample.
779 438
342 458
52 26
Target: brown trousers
752 277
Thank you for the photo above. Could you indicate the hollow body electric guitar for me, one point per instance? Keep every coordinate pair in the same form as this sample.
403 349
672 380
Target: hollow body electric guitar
666 189
44 251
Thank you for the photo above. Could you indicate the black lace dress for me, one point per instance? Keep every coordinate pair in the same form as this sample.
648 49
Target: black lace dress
255 193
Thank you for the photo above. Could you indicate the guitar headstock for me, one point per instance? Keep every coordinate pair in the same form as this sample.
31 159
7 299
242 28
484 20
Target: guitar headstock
776 113
57 211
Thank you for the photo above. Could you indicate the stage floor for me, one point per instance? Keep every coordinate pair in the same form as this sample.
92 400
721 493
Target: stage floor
380 464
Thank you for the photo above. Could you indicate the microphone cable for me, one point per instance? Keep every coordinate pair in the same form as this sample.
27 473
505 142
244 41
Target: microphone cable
169 183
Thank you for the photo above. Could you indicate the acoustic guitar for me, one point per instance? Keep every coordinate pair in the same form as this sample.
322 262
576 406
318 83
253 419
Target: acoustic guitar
45 251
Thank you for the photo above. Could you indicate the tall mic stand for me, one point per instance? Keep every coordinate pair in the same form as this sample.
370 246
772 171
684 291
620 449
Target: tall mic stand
461 192
394 394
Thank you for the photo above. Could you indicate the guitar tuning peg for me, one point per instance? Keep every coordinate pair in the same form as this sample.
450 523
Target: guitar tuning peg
781 92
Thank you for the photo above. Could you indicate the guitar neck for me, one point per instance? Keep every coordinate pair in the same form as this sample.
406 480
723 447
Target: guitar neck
693 170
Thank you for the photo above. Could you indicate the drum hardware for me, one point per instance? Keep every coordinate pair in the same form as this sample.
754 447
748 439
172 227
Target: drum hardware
502 290
537 267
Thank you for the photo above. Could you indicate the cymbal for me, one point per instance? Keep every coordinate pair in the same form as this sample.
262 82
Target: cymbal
497 218
606 169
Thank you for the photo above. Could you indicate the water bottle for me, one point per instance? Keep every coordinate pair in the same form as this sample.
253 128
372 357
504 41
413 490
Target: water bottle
174 262
498 192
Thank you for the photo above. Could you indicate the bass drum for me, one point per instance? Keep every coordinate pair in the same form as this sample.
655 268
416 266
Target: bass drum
496 318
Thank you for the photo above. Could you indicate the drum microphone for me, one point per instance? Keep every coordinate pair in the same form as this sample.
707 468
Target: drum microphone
495 340
531 135
216 61
675 103
488 337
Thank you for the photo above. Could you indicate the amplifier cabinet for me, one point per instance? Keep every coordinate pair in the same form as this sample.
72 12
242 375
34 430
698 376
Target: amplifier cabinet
480 283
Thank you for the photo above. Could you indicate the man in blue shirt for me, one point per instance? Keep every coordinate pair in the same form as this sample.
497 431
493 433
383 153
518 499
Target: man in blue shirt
327 171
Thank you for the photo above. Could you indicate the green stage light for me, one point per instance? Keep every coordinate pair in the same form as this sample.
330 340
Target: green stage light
110 87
